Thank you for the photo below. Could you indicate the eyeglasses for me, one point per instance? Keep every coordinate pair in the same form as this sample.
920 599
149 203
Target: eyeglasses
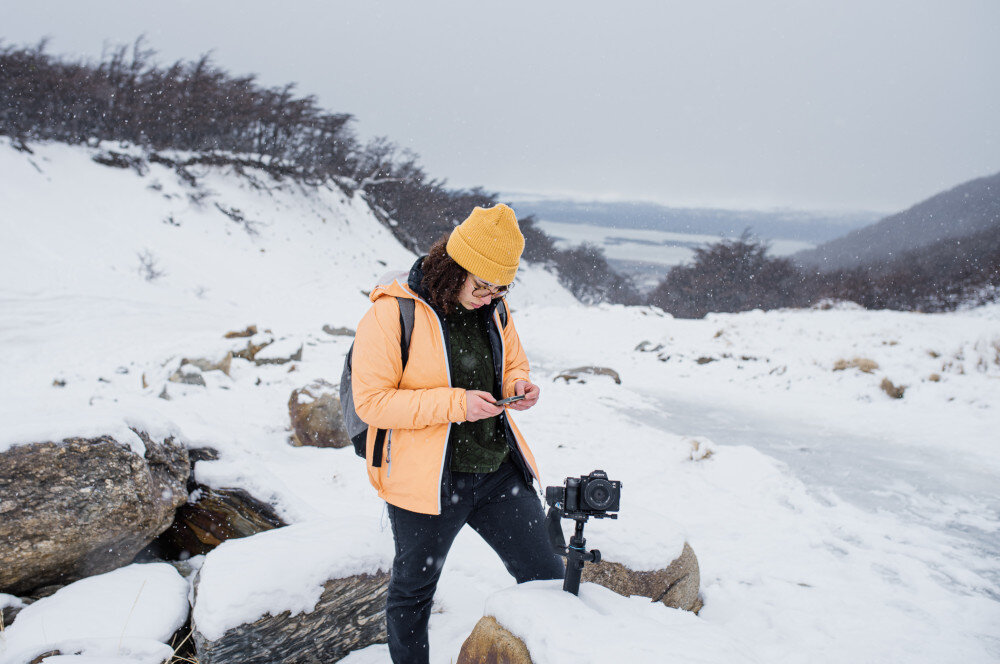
479 289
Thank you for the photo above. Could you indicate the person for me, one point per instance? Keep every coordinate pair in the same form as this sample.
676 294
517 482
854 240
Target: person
451 456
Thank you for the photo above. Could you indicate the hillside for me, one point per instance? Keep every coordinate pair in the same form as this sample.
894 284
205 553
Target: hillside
969 208
196 109
818 505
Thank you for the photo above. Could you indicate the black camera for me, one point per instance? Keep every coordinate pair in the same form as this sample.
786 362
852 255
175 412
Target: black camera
587 495
580 498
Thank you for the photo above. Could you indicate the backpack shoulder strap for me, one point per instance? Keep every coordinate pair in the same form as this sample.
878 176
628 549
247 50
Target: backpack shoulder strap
406 315
502 312
406 309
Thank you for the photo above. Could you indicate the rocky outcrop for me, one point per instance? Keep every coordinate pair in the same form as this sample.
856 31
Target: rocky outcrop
490 643
214 517
338 331
574 375
676 585
261 350
349 615
250 352
241 334
316 419
83 506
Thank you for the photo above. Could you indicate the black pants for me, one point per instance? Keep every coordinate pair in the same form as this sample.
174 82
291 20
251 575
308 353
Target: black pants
505 512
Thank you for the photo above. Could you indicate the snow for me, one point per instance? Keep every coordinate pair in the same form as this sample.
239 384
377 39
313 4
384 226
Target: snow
831 522
10 601
126 615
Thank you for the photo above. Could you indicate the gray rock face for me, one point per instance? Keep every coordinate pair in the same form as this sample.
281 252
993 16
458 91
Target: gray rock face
350 615
575 375
83 507
217 515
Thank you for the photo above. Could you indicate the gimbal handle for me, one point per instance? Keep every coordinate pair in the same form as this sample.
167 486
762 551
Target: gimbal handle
576 553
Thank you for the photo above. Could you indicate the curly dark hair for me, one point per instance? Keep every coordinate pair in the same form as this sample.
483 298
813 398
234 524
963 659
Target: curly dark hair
443 277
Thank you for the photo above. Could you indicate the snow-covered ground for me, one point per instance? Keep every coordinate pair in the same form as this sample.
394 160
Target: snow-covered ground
832 522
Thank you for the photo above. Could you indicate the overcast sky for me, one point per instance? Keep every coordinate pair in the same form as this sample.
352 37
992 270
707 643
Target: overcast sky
836 105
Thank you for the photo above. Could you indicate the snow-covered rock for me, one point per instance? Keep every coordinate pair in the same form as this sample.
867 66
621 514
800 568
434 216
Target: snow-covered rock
310 592
595 628
130 613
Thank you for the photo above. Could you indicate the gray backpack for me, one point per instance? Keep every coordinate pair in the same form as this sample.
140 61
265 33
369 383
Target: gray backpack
357 428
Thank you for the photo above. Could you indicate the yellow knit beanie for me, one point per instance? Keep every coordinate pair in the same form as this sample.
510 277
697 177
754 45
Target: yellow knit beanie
488 244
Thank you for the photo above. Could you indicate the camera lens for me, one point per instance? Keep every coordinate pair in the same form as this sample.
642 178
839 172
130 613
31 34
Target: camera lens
555 495
598 494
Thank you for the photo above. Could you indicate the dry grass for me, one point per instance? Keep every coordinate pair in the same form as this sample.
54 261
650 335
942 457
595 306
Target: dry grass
892 390
121 639
182 653
862 364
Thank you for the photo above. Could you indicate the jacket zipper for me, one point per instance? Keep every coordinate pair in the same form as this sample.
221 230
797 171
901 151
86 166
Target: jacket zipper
388 454
447 373
503 355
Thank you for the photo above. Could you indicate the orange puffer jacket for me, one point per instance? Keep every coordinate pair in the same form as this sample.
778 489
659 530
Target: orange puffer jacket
417 405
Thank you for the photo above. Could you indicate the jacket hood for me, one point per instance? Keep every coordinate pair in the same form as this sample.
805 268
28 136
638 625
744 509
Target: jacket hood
391 283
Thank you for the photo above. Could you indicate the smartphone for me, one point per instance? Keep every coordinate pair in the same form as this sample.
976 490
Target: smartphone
504 402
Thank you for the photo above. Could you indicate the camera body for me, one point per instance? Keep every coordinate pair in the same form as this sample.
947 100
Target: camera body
588 495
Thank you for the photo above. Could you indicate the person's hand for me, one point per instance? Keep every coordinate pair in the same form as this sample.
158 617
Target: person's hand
531 393
479 405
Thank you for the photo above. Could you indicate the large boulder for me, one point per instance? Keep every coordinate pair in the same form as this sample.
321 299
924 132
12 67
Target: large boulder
295 595
316 419
83 506
676 585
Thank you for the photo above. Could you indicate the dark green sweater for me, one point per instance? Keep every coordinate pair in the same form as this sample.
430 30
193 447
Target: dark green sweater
477 447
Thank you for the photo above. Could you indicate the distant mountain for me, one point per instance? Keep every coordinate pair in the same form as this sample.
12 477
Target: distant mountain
967 209
812 227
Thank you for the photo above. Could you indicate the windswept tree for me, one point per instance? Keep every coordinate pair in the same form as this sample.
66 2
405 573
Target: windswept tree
730 275
585 272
